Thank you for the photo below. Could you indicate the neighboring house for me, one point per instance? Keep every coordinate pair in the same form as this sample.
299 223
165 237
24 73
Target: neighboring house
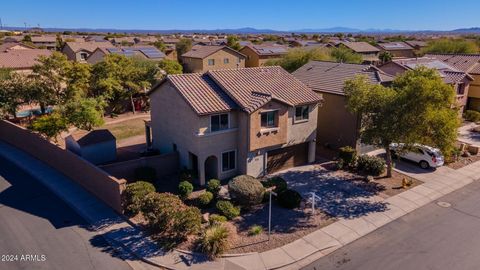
397 49
202 58
337 127
170 52
12 46
47 42
124 41
450 75
369 53
145 52
95 38
97 146
416 44
80 51
235 121
469 63
22 60
258 55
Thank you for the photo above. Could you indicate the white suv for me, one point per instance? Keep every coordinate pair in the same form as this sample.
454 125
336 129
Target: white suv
425 156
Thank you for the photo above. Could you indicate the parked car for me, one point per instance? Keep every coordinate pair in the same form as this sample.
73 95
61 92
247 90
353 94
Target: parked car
425 156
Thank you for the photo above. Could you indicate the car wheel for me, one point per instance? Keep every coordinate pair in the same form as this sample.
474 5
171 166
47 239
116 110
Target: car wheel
424 164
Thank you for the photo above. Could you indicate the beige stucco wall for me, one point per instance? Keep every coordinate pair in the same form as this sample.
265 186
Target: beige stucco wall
261 138
254 60
474 90
201 65
95 57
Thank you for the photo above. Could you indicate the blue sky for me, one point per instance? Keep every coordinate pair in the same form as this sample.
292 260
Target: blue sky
215 14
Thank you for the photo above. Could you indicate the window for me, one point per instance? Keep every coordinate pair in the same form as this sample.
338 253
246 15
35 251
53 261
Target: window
461 89
269 119
228 161
218 122
83 56
239 60
174 147
211 62
301 113
226 61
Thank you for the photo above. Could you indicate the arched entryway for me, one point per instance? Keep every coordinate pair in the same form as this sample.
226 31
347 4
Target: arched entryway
211 168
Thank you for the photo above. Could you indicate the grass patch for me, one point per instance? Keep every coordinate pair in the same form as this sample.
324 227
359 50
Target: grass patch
255 230
126 129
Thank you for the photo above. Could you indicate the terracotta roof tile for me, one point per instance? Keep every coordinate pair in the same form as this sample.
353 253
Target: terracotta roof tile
469 63
88 46
17 59
360 47
202 51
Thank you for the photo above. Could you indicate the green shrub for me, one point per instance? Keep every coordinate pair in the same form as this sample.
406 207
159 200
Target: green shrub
214 218
213 186
134 195
228 209
205 198
246 190
371 165
185 188
167 214
279 183
145 174
255 230
472 116
214 241
289 199
348 155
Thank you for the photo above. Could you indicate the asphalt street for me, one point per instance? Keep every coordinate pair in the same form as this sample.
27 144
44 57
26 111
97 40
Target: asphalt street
39 231
430 238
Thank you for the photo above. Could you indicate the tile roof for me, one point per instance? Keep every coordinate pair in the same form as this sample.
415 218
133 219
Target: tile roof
18 59
202 93
469 63
416 43
360 47
394 46
88 46
7 46
330 77
268 49
251 88
44 39
245 88
202 51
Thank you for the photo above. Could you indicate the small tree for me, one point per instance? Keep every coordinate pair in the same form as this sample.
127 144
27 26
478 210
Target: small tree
50 126
85 113
232 42
385 56
183 46
170 66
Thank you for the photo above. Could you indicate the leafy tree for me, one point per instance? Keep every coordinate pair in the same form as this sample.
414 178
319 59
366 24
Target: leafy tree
315 36
50 125
170 66
118 78
457 46
385 56
298 57
416 109
14 91
78 80
159 45
27 38
345 55
85 113
232 42
183 46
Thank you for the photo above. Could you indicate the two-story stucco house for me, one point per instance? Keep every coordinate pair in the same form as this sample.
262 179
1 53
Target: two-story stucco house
202 58
235 121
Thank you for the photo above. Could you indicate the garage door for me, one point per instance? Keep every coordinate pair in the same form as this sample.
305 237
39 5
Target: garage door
288 157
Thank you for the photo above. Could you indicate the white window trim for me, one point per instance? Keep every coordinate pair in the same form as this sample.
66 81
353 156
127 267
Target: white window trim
221 160
295 120
210 122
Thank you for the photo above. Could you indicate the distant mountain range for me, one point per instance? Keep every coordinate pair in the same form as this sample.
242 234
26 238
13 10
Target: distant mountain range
250 30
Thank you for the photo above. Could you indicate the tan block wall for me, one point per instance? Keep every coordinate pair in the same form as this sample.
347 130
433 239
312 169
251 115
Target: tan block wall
201 65
105 187
252 58
260 140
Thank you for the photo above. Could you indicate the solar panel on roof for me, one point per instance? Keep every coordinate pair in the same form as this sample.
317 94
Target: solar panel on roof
113 50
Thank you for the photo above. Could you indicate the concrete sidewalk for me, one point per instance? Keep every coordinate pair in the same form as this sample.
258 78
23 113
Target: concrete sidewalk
291 256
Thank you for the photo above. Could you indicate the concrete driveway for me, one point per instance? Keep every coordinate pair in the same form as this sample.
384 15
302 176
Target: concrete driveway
36 222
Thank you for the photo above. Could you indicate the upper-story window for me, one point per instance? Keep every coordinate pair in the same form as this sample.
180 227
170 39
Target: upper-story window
269 119
226 60
301 113
83 56
211 62
461 89
219 122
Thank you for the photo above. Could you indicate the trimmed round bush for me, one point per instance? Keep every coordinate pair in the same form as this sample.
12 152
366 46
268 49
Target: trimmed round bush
214 218
289 199
213 186
255 230
371 165
279 183
228 209
146 173
205 198
134 195
348 155
246 190
167 214
185 188
214 241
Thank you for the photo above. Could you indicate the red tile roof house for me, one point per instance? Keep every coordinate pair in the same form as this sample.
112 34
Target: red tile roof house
450 75
80 51
397 49
369 53
336 126
144 52
22 60
235 121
